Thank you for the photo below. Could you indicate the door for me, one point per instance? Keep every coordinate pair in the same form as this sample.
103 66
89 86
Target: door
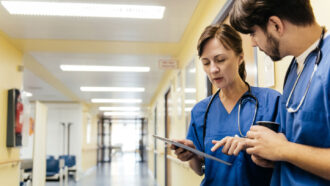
155 145
168 108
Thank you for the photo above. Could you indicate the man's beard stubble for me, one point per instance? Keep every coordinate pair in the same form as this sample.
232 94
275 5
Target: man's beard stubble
274 48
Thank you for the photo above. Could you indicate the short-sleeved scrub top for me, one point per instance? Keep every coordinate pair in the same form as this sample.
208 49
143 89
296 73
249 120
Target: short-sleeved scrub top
220 124
310 125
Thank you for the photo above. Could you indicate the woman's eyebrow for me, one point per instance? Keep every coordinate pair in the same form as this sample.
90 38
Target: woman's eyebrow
219 55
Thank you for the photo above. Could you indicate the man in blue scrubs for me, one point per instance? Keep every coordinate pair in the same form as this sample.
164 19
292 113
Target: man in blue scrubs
302 149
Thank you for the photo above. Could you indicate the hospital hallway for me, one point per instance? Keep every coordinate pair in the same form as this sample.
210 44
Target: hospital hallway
124 170
89 88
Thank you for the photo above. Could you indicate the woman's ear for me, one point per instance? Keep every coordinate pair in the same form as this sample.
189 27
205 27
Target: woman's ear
240 58
275 25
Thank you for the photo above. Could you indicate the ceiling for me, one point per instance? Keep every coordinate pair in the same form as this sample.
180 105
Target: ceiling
49 41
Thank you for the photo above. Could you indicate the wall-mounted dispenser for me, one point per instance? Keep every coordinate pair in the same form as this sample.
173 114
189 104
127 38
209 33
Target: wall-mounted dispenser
14 118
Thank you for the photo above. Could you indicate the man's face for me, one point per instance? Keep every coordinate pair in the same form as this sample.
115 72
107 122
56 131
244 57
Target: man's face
266 43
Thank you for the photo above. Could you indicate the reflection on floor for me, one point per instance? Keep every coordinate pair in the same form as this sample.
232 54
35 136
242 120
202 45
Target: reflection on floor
124 170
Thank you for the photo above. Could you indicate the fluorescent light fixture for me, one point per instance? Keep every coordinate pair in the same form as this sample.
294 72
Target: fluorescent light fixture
122 113
126 121
189 101
112 89
92 68
83 9
189 90
96 100
27 94
119 108
123 123
193 70
188 109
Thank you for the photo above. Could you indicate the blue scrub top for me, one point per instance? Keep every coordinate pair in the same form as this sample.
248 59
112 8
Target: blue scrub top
220 124
311 124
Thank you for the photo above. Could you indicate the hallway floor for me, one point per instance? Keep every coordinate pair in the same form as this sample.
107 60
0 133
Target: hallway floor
124 170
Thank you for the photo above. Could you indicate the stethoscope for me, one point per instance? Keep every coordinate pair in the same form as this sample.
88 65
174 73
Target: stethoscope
317 62
247 96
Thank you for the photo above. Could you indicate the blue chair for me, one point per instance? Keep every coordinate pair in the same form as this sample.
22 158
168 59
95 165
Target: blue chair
52 169
70 161
50 157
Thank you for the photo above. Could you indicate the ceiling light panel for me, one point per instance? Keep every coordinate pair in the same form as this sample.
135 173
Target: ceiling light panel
112 89
122 114
83 9
27 94
96 100
190 101
119 108
92 68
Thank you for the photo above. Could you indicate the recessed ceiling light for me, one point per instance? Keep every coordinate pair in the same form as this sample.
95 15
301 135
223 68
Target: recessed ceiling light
114 122
112 89
92 68
188 109
27 94
83 9
193 70
119 108
122 113
126 120
189 101
187 90
96 100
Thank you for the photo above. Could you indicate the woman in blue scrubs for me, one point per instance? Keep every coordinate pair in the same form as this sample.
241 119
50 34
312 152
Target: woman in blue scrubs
220 51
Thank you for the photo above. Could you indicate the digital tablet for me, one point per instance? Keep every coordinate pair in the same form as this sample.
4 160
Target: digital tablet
200 153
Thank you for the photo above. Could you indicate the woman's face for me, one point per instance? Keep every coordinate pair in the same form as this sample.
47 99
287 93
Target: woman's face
221 65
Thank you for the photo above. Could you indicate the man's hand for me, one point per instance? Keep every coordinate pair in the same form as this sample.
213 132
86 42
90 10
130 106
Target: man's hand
265 143
262 162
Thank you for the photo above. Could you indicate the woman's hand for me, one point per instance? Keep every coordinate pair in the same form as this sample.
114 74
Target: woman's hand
231 145
183 154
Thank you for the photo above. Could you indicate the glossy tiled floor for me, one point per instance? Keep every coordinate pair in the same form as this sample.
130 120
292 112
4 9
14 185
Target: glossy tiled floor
124 170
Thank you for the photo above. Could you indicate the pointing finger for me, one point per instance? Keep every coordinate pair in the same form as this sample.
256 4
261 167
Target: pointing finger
218 144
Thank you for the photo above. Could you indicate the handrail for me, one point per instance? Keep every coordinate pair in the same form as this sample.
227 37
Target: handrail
159 153
12 162
177 161
89 149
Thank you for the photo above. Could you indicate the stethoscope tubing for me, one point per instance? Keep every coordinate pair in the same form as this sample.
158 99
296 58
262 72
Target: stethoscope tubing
317 62
244 97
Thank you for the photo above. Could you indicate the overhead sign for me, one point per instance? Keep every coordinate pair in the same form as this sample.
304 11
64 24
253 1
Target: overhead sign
168 64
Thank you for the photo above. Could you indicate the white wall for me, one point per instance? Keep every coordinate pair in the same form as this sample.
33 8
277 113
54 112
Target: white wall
39 150
67 113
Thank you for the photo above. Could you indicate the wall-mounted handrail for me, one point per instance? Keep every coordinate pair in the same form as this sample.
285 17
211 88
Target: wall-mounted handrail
11 162
86 149
177 161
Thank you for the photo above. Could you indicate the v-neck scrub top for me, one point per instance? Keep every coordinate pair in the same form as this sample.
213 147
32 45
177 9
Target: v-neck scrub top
310 125
220 124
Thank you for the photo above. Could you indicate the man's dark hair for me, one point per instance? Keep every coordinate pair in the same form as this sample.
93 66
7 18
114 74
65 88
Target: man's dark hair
248 13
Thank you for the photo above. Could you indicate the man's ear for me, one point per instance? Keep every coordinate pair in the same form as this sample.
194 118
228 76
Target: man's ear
275 25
